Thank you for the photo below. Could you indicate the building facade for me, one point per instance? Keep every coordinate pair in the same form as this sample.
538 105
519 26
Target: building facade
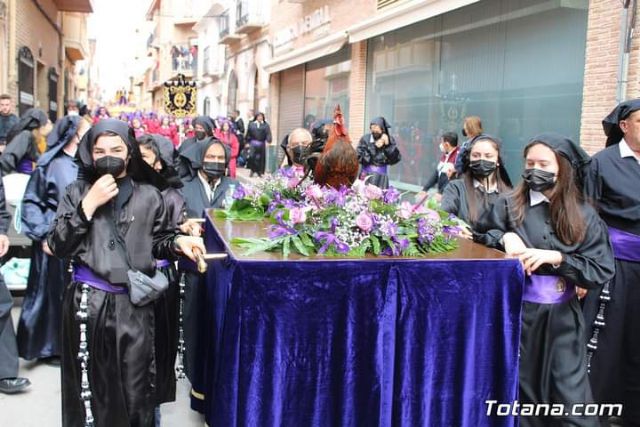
523 66
42 41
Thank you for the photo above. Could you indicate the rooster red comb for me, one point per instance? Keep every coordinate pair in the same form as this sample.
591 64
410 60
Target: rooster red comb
338 123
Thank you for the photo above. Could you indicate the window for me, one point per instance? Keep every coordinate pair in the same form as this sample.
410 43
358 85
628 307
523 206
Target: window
327 84
25 80
518 65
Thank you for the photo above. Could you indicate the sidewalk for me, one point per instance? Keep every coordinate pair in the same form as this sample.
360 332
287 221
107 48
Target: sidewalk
40 405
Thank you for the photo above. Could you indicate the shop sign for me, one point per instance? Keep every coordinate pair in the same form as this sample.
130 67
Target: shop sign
309 23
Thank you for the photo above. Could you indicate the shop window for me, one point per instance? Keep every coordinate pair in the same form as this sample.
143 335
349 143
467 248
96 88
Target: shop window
327 84
518 65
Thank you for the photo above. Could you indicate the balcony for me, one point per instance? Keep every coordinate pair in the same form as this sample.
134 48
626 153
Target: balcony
82 6
76 41
249 18
226 36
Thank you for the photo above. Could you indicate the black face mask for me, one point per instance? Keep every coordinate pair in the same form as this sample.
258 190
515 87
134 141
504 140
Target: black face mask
214 170
110 165
482 168
376 135
299 154
200 134
538 180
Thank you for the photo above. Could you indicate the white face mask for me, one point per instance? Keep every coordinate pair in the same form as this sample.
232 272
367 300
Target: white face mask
73 113
442 150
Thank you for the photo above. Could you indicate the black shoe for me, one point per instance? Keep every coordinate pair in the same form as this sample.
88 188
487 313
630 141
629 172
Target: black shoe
13 385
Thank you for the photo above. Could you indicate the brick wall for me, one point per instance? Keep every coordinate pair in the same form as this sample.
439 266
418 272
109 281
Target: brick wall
34 31
601 70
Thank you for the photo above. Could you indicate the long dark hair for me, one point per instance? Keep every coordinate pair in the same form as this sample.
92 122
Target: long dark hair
565 201
502 181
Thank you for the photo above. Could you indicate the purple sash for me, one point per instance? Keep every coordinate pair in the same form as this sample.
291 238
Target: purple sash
256 143
541 289
161 263
25 166
371 169
84 274
626 246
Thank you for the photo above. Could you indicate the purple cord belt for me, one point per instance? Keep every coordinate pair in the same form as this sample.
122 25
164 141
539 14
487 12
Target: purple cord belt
161 263
541 289
84 274
626 246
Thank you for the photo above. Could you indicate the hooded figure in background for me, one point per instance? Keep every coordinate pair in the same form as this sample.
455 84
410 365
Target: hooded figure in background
377 151
203 127
208 187
41 315
111 221
612 316
26 141
258 135
159 153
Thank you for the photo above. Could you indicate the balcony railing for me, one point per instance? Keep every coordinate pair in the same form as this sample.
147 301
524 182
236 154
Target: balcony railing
248 18
225 33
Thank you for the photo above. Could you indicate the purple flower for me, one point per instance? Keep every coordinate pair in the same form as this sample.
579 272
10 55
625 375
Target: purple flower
389 228
364 222
432 215
287 172
405 210
239 193
329 239
372 192
337 197
391 195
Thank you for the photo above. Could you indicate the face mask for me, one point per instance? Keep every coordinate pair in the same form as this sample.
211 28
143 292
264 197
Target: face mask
482 168
539 180
201 134
442 150
376 135
214 170
464 132
110 165
299 154
73 113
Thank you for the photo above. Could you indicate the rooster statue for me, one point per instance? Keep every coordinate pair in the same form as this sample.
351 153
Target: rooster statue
338 163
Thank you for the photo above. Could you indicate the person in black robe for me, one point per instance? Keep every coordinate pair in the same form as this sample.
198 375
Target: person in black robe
258 135
26 141
41 316
10 383
203 127
483 180
7 119
446 165
110 221
208 188
159 153
377 151
612 182
562 243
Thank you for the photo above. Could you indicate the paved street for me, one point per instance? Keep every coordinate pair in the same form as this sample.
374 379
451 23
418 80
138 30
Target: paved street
40 405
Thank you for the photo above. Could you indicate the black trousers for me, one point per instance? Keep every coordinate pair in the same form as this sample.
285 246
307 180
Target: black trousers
8 346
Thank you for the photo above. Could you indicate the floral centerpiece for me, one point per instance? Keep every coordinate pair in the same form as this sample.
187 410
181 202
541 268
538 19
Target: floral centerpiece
309 219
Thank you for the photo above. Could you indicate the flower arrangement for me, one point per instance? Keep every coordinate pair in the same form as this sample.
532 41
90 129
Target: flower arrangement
309 219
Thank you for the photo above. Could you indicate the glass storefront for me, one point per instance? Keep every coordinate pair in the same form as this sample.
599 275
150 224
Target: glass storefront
327 84
518 64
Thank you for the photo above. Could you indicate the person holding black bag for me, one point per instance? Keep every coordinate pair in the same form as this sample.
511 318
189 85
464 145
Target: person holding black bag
112 223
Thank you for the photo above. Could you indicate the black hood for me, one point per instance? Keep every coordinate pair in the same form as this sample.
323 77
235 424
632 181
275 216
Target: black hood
466 157
137 168
33 118
567 148
611 123
382 122
63 131
194 155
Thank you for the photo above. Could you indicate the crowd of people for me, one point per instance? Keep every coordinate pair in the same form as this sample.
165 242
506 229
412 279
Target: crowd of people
120 200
